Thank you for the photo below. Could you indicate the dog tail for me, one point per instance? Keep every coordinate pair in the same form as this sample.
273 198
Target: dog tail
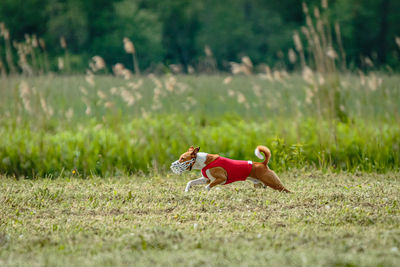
266 152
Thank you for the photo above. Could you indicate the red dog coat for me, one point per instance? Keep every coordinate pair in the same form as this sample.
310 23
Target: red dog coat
238 170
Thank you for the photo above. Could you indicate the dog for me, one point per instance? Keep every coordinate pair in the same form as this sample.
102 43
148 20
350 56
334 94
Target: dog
218 170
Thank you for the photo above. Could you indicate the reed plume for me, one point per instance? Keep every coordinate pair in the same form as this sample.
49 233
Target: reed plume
190 69
90 78
208 64
136 85
60 63
130 49
9 57
88 110
30 50
120 71
323 57
228 80
127 97
292 56
246 66
42 45
97 63
170 83
22 51
175 68
47 109
299 48
25 94
207 51
63 44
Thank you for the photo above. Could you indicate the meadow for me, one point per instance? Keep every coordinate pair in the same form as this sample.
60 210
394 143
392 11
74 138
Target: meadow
105 125
84 158
331 220
117 120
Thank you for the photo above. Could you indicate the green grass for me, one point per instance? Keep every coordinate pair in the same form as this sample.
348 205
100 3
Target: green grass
170 113
330 220
153 143
95 214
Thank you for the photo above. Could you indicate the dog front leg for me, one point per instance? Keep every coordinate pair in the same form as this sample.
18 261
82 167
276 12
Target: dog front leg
217 181
218 175
200 180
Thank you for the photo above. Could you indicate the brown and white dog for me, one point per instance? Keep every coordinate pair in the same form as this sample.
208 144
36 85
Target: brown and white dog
217 170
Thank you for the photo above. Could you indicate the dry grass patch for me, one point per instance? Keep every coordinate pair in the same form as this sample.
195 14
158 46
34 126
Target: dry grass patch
331 219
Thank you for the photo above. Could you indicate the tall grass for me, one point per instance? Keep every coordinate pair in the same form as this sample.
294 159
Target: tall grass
152 143
100 125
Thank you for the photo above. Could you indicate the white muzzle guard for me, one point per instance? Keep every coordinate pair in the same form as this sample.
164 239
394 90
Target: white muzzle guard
179 167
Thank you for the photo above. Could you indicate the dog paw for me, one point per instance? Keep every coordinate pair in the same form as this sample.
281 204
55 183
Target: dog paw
259 185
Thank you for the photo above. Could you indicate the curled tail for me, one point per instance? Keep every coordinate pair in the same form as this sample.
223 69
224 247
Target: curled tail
266 152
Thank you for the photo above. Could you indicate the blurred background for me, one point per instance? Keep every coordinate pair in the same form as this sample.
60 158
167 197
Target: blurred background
119 87
187 33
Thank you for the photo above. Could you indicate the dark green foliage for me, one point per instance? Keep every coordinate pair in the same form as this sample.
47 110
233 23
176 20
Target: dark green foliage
177 31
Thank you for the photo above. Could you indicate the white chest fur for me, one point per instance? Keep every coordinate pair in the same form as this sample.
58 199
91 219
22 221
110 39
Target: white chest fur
200 161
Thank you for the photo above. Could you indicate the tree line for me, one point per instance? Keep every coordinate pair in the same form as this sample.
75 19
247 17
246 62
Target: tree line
203 35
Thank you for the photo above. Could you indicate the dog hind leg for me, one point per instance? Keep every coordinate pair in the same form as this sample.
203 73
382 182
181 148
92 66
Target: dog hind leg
269 178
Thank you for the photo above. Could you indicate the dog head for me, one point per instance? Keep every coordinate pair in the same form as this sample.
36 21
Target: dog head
185 161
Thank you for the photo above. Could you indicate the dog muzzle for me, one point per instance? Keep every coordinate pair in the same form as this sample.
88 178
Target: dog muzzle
179 167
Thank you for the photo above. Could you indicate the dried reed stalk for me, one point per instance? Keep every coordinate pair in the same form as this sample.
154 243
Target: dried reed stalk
22 51
30 50
42 45
2 66
9 57
2 69
36 54
340 44
130 49
299 48
209 62
324 84
66 63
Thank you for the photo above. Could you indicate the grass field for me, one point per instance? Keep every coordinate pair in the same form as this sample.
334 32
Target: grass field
84 178
97 151
330 220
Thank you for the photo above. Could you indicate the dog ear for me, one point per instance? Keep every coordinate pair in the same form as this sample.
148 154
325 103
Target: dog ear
191 149
195 151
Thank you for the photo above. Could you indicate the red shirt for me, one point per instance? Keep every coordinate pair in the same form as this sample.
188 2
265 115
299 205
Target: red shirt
238 170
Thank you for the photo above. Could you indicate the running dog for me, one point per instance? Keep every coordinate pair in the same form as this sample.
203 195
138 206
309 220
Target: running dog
218 170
